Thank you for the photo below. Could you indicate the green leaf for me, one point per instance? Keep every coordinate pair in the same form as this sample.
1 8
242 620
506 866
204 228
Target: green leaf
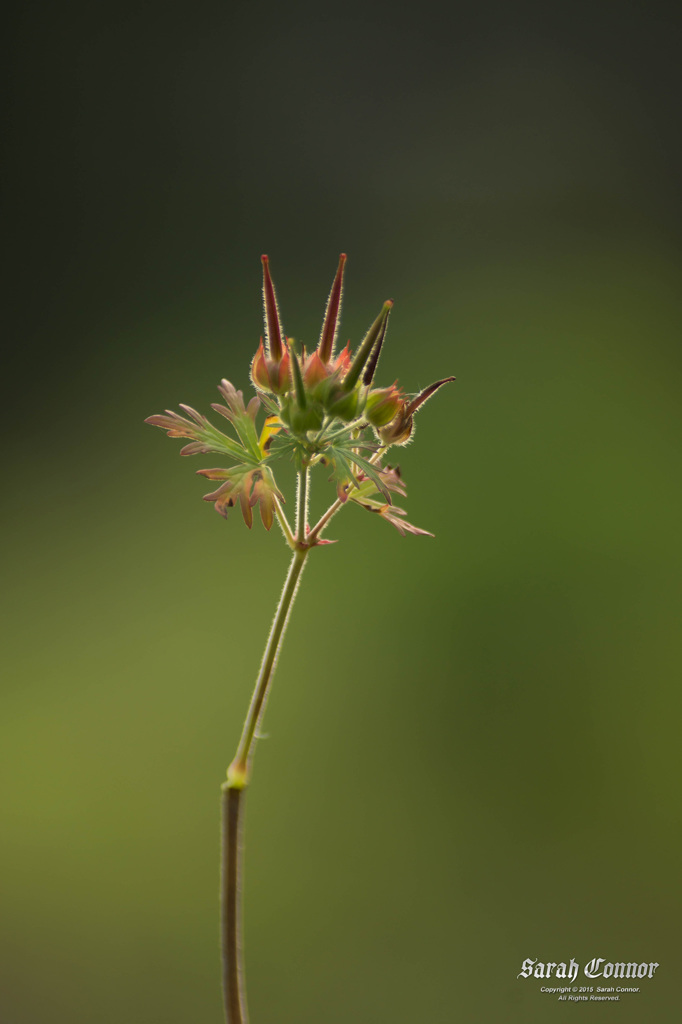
370 471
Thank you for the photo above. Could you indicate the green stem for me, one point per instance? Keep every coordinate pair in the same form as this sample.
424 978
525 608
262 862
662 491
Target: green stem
238 771
303 498
299 506
238 775
284 524
323 520
343 431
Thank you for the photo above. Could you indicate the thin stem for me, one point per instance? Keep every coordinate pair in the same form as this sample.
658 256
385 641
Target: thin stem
238 774
303 496
234 992
238 770
342 431
299 505
323 520
284 523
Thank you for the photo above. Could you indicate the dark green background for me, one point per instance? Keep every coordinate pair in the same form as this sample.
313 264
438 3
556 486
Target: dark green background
474 740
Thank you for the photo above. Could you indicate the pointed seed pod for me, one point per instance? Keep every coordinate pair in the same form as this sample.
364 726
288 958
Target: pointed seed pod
424 395
400 429
273 324
332 313
370 368
368 343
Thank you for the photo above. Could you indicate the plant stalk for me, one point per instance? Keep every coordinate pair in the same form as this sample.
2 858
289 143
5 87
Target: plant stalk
234 993
233 792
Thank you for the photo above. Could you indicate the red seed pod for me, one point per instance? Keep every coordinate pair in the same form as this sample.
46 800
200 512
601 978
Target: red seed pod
332 314
273 325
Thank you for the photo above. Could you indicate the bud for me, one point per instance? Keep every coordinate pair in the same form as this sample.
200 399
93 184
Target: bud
383 405
271 374
399 430
300 419
344 404
314 371
303 420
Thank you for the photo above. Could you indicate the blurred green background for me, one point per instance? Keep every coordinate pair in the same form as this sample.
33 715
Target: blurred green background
473 753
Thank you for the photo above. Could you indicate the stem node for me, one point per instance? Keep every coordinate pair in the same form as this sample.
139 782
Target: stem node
237 775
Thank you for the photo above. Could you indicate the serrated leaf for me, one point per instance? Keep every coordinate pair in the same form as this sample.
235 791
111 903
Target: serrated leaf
369 470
